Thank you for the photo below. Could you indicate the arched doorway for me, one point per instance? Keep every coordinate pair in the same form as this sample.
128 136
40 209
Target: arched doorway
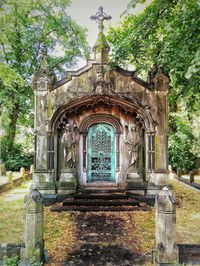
101 153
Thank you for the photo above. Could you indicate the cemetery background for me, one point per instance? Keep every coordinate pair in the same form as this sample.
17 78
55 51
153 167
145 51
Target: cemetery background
187 147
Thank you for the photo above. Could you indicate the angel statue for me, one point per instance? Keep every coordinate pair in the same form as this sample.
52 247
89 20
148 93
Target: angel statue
69 146
133 140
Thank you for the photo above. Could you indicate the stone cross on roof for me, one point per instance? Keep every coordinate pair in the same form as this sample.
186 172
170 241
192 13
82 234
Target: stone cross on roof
99 17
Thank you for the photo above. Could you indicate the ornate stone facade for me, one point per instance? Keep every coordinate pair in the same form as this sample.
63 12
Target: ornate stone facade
135 110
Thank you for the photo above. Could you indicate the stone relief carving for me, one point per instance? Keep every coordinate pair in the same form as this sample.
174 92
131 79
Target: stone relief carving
101 87
68 141
132 141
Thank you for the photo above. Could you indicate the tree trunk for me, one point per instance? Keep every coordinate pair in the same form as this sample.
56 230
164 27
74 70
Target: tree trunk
13 122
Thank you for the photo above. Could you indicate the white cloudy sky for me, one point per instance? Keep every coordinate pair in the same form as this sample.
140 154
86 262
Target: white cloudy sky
81 10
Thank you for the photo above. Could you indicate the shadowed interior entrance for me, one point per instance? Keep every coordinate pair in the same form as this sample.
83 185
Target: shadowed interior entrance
101 153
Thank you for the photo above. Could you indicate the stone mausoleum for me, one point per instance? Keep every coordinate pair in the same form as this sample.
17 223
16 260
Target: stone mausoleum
100 126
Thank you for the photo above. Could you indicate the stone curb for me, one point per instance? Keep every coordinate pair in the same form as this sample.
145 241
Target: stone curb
16 182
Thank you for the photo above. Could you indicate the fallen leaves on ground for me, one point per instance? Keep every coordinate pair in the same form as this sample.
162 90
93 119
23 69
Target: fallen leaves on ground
66 231
59 234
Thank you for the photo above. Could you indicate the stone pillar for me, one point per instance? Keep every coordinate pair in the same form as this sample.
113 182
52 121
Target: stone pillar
10 177
44 174
167 252
31 169
179 173
33 239
23 173
2 168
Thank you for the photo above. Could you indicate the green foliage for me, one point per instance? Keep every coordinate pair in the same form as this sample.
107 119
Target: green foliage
15 157
166 34
25 27
180 146
11 261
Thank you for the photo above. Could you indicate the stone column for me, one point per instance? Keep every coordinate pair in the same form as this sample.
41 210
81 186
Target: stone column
10 177
33 240
158 141
23 173
167 252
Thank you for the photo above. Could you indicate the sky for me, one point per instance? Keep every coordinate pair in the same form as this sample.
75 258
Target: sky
82 10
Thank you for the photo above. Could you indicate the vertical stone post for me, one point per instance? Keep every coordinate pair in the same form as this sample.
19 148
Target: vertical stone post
10 177
31 169
167 252
33 239
179 173
2 168
191 174
23 173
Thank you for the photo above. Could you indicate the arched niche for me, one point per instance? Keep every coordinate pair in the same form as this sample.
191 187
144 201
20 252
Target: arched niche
98 119
143 113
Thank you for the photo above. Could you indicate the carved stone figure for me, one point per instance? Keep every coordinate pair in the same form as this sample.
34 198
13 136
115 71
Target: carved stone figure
69 147
133 140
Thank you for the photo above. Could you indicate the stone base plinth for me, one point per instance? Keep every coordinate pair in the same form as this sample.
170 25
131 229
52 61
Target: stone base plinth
45 188
31 255
43 181
158 178
67 184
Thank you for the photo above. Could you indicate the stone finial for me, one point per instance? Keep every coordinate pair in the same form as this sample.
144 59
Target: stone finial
166 201
31 169
101 48
161 81
10 177
45 76
22 173
33 202
44 61
34 195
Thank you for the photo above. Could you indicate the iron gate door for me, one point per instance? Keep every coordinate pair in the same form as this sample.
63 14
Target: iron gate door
101 153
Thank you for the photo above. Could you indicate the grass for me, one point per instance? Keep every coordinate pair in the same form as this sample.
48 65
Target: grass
196 178
188 214
11 221
12 214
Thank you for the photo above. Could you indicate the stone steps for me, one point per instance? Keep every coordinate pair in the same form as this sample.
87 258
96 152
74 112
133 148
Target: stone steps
104 196
102 190
99 208
100 202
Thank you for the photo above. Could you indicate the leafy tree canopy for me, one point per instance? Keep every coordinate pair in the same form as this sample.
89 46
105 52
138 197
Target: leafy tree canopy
166 34
26 26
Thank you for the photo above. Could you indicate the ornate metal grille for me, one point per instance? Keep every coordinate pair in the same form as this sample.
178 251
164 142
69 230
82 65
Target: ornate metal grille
101 153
